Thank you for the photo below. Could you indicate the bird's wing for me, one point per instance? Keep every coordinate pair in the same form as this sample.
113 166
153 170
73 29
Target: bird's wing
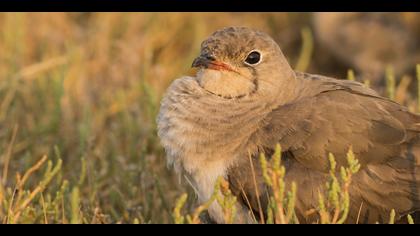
340 116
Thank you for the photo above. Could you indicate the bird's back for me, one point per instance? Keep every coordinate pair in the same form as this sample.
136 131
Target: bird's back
330 117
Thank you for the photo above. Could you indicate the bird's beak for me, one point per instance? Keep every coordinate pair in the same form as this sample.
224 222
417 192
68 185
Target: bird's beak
202 61
211 63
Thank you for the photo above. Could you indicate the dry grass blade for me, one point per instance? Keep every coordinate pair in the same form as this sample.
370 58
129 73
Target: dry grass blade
7 100
34 70
401 92
8 155
31 170
256 189
21 205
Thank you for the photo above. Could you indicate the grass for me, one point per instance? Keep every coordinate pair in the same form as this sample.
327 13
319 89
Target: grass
79 93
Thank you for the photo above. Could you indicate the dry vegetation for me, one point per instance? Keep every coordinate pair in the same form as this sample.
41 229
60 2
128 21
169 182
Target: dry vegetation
78 98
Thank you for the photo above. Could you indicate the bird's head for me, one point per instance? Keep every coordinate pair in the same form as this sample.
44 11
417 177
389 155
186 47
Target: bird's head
238 61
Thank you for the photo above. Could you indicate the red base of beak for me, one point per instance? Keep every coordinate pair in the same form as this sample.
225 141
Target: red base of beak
216 65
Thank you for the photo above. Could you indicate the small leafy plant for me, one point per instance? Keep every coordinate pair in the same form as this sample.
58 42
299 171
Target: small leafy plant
221 195
333 205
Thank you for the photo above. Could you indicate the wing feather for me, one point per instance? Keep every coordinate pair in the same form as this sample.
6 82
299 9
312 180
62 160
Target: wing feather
342 115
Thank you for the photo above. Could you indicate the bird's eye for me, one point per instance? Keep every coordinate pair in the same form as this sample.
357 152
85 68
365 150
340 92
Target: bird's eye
253 58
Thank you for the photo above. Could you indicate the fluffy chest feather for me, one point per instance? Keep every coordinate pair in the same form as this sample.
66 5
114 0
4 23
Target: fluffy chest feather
204 135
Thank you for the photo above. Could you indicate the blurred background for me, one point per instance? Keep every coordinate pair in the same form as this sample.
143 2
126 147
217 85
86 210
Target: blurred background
79 93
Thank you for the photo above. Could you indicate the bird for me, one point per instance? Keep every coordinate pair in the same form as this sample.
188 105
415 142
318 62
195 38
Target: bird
245 99
368 42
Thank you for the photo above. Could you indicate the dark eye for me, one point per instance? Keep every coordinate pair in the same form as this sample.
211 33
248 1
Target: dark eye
253 58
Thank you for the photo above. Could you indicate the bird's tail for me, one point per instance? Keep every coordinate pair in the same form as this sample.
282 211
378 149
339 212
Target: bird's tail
395 185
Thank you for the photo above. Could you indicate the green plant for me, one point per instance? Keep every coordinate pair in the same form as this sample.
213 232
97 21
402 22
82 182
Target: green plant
334 207
334 203
221 195
306 50
390 82
350 75
281 204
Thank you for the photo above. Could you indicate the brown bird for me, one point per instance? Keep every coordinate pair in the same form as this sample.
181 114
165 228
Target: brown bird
246 98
